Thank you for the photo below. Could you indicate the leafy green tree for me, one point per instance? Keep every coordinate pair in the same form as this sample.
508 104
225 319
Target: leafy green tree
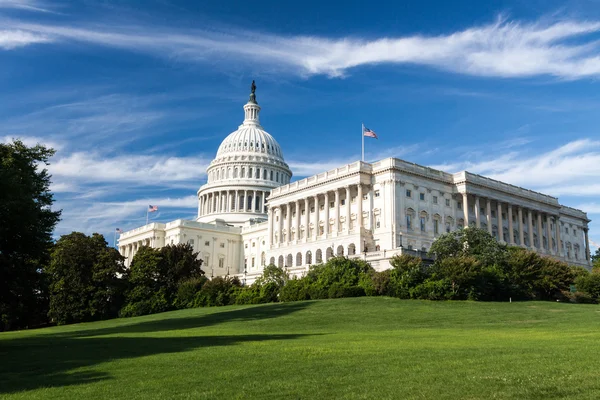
155 277
85 279
589 284
26 225
596 262
407 272
467 242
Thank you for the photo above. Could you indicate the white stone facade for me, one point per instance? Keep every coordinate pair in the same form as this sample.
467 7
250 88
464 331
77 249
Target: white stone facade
249 215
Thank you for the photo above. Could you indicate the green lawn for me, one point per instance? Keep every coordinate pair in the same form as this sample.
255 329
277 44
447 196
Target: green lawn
349 348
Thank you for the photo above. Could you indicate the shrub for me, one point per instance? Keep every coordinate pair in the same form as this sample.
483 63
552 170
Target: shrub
187 290
433 290
218 291
589 284
583 298
295 290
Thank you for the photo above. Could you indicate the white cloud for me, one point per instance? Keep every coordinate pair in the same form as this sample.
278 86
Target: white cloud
28 5
32 141
12 39
563 49
131 168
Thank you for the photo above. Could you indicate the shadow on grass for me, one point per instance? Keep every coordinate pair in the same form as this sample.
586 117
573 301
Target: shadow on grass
47 360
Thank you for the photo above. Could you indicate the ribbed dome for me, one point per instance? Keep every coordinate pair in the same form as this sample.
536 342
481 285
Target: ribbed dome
249 139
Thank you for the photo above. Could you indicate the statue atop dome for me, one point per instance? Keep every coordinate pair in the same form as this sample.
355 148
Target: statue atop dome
253 94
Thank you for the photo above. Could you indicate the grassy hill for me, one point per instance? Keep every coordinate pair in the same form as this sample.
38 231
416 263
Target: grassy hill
349 348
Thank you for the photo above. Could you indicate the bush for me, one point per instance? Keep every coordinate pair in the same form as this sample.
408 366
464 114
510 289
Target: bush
433 290
589 284
218 291
295 290
583 298
186 292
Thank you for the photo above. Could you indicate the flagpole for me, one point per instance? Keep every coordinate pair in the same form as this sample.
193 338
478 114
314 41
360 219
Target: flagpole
362 135
115 239
147 212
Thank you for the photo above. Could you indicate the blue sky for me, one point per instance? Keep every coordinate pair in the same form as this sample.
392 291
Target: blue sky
136 96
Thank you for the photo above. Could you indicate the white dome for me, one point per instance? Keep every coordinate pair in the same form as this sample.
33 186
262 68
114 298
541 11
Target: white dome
249 138
249 163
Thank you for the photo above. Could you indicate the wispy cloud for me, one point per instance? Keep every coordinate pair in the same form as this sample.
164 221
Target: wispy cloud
564 49
28 5
12 39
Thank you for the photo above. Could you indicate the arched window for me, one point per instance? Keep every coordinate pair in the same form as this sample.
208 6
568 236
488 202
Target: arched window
298 259
319 256
423 221
280 262
328 254
308 257
351 249
272 261
263 259
271 175
289 261
410 214
277 177
243 175
340 251
250 172
265 174
235 173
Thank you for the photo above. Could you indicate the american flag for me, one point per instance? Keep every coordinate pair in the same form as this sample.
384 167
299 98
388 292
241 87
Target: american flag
152 208
369 133
119 230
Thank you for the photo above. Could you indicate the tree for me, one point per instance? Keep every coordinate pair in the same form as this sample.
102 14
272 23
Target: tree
155 276
26 225
473 242
84 275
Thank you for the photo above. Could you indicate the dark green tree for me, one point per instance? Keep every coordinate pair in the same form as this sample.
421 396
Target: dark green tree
26 225
470 241
155 277
85 279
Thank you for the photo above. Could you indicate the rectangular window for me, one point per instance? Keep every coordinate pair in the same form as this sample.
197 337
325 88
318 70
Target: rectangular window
207 243
322 207
331 204
312 209
447 202
422 196
504 216
377 193
459 205
482 210
191 242
222 245
353 199
436 226
493 214
252 262
408 222
408 193
303 212
434 199
343 202
422 224
221 262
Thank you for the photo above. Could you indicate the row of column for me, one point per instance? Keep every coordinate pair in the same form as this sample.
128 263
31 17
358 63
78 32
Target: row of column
287 209
129 250
226 201
520 212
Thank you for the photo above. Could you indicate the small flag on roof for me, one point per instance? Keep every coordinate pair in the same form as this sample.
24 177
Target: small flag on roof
152 208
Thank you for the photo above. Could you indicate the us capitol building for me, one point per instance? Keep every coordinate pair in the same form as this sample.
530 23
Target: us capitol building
251 215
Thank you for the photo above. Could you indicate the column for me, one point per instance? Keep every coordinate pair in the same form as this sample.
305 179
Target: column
288 210
245 205
549 235
271 217
530 228
521 231
540 232
200 206
306 219
466 209
348 205
359 198
316 216
262 204
280 224
488 211
337 210
511 235
326 225
587 245
558 244
500 222
297 219
477 216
